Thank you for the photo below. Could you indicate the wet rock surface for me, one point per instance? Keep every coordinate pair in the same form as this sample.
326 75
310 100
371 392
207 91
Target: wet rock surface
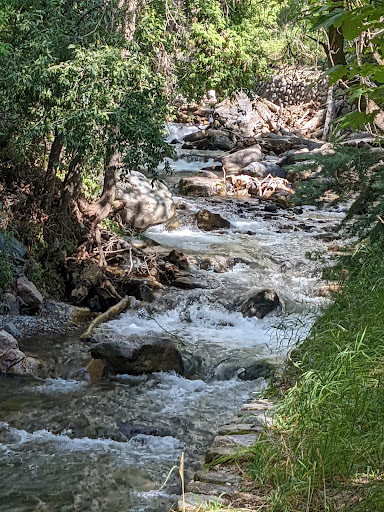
134 355
260 304
208 221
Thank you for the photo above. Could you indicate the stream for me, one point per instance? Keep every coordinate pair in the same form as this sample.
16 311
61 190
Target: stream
67 445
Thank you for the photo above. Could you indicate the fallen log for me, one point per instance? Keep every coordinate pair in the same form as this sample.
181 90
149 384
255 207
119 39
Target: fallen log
313 124
124 304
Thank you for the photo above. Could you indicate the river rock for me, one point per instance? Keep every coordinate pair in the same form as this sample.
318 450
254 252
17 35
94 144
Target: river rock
215 142
234 162
12 329
96 369
256 370
262 169
195 136
9 351
135 355
199 186
239 115
27 366
148 202
204 173
261 304
208 221
28 292
13 360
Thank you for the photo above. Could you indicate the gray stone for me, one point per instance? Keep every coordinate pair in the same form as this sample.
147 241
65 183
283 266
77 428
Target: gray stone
241 428
260 304
28 292
239 115
218 476
215 142
12 329
12 304
235 441
211 488
229 445
9 351
148 202
188 283
195 136
209 221
262 169
10 245
234 162
207 174
199 186
256 370
135 355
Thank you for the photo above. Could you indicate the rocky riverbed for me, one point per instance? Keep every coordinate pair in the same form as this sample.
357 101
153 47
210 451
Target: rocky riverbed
247 287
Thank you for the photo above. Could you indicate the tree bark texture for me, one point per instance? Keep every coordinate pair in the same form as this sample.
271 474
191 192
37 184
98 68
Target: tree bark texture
50 175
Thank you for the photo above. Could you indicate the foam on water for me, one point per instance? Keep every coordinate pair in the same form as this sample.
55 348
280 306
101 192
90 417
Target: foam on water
137 450
176 131
54 386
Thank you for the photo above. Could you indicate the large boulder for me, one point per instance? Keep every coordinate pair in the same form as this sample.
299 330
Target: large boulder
239 116
148 202
28 293
260 304
136 355
234 162
208 221
199 186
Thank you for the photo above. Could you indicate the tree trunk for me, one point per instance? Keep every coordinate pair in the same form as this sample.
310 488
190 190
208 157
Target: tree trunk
129 10
50 175
336 46
100 209
72 183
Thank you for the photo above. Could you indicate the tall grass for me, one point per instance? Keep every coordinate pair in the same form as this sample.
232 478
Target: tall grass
327 448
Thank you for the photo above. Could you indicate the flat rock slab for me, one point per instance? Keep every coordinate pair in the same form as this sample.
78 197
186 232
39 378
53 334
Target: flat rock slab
229 446
197 502
211 489
257 405
235 440
218 476
241 428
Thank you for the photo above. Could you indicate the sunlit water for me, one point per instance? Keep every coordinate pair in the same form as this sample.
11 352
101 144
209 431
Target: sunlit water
66 445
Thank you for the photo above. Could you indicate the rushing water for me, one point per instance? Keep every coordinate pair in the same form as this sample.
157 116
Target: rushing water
66 445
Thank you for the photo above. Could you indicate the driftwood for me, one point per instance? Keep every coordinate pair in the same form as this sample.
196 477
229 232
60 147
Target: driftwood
124 304
313 124
272 106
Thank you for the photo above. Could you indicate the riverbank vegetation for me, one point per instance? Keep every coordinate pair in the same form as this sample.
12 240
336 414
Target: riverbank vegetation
325 451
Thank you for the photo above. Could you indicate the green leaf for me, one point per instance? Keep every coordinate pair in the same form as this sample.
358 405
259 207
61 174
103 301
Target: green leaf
356 120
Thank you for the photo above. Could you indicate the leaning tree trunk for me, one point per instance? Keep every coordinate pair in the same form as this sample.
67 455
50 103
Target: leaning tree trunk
99 210
50 175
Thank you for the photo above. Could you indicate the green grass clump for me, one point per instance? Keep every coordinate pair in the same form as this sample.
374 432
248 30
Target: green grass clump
327 448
